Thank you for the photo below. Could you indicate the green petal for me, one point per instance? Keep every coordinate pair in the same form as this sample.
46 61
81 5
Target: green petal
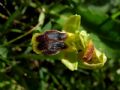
98 61
84 38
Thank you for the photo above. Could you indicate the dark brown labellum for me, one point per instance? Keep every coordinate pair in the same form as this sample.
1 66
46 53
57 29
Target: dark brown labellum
51 42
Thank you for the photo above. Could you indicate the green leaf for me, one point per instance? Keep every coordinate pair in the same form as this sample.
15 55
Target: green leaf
3 52
11 19
57 8
48 26
100 45
91 15
98 22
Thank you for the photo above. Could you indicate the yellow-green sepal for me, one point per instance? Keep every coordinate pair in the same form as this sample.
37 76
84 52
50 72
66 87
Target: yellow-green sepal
70 60
72 24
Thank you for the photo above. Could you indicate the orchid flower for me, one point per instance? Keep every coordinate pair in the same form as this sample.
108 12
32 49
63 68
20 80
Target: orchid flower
73 46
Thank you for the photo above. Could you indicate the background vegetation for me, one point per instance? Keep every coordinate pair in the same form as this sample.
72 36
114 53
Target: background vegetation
22 69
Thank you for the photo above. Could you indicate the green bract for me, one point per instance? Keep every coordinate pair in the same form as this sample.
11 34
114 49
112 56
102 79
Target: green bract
81 52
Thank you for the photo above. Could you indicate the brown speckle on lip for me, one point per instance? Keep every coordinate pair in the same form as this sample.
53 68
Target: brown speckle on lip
89 52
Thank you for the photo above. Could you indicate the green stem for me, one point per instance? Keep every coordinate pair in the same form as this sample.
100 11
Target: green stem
40 23
23 35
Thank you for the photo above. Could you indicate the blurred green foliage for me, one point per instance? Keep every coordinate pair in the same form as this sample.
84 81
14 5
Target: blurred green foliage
22 69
